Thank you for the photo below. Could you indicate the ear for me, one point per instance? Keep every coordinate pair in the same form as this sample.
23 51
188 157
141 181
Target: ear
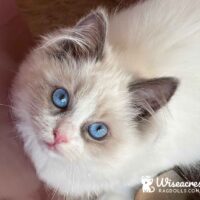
88 36
150 95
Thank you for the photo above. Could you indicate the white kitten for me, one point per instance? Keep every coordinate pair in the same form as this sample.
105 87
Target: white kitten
97 105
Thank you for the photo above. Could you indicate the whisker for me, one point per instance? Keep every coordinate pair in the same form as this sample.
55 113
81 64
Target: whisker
54 193
5 105
9 106
16 135
10 138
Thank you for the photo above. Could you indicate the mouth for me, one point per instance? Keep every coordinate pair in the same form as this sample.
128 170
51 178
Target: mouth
52 146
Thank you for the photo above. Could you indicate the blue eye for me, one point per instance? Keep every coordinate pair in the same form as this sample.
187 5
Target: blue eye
98 130
60 98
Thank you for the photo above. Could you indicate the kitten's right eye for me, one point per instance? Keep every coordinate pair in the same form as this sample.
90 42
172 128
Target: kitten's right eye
98 130
60 98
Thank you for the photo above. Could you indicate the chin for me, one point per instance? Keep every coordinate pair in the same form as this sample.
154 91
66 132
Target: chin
66 176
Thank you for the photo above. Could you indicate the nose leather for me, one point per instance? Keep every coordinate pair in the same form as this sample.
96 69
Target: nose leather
60 138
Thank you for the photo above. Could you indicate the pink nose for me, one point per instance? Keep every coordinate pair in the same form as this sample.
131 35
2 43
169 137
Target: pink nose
59 137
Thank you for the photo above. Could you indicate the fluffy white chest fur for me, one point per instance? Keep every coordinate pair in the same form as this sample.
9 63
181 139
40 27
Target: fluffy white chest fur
137 74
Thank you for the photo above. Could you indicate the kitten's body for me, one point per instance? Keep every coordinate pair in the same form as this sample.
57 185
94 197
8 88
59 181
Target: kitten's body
153 39
162 38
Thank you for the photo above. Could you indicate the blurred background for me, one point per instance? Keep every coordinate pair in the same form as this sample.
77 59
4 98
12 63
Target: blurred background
45 15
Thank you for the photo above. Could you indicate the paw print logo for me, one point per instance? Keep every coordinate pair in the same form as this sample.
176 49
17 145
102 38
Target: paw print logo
147 182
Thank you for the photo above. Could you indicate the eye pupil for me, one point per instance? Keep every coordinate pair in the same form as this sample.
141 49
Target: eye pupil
97 130
60 98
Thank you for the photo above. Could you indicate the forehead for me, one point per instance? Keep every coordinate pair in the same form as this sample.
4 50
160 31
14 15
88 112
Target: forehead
81 77
92 86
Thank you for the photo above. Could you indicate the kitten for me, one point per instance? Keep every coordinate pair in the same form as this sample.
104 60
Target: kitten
112 99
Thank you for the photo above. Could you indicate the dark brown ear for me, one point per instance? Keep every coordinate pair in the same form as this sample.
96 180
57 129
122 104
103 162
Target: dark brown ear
150 95
88 36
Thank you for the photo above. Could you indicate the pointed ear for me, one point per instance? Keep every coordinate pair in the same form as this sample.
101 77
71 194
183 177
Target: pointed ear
88 36
150 95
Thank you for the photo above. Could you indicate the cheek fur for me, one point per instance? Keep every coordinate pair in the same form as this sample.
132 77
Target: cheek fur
74 150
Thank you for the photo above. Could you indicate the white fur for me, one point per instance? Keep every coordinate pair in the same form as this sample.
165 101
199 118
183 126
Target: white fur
165 35
153 39
161 38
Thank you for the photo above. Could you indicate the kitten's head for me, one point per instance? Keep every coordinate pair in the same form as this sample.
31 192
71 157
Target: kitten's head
79 112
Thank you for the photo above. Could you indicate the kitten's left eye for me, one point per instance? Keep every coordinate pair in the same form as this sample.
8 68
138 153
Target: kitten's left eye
97 130
60 98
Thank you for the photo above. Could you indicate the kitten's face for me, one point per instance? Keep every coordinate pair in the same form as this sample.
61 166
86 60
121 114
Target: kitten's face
93 97
85 157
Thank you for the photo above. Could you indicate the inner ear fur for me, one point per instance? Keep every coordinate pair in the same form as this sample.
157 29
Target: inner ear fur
87 38
152 94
